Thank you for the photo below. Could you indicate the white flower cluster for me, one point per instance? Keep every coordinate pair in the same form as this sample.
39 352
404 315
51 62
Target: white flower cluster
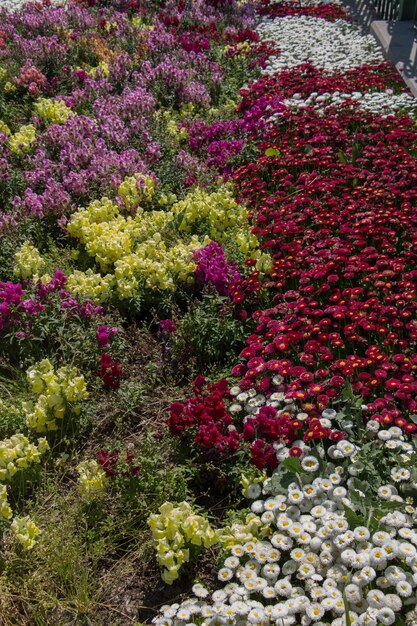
314 561
251 401
381 103
328 45
392 438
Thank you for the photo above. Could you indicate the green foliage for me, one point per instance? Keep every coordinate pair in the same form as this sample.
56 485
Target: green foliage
158 479
208 334
57 576
12 418
130 398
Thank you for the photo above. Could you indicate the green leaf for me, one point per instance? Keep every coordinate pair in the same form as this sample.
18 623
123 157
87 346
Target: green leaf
347 615
358 500
286 481
353 518
275 485
272 152
308 149
342 157
359 485
347 391
293 465
389 506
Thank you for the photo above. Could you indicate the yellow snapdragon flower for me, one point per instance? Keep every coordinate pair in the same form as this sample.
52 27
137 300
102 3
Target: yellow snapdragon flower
4 128
9 87
92 480
240 533
103 67
245 481
28 261
5 509
17 453
22 141
218 210
136 189
174 530
25 531
91 286
59 394
53 111
143 250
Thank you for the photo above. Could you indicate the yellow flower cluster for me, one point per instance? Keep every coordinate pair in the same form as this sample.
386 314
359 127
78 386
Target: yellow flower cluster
217 214
175 530
187 110
53 111
9 87
59 394
242 49
103 67
18 453
136 189
106 234
4 128
143 249
137 22
22 141
264 262
25 531
5 509
175 131
241 533
28 261
91 286
166 199
92 480
154 266
171 125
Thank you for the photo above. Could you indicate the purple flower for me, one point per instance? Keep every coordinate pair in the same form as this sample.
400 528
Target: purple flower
213 268
104 334
167 327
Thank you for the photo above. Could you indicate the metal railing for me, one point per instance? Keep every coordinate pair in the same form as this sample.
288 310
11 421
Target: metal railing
396 9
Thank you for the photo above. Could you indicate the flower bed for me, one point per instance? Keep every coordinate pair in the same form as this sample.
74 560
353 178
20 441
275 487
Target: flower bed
192 203
332 356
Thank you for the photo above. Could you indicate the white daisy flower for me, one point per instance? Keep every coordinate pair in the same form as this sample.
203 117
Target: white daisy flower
404 589
237 550
199 590
315 611
232 562
283 587
310 464
386 616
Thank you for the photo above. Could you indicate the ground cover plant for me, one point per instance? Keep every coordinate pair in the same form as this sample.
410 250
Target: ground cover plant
207 301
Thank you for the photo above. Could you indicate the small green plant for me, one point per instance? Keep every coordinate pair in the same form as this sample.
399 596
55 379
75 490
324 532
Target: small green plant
208 334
